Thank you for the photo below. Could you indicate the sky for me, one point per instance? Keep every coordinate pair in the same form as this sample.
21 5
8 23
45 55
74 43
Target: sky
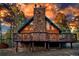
51 9
5 28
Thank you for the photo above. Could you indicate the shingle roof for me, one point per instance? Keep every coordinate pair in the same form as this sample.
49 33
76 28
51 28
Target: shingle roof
27 22
53 24
24 23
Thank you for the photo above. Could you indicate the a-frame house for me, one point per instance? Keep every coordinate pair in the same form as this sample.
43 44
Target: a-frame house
36 29
38 23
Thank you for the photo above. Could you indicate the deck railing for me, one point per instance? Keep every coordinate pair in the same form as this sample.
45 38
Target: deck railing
44 36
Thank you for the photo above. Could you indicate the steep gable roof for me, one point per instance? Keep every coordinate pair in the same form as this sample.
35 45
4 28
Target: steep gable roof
52 23
24 23
27 22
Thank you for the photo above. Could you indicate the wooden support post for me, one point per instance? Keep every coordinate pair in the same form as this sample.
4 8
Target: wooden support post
48 46
60 45
45 44
32 46
71 45
16 47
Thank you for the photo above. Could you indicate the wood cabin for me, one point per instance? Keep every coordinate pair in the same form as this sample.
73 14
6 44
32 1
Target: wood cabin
39 23
37 29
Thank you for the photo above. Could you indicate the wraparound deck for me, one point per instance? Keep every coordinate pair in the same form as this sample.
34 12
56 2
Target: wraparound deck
44 37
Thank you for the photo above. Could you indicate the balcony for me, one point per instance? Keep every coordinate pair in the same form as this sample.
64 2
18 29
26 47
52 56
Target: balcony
44 36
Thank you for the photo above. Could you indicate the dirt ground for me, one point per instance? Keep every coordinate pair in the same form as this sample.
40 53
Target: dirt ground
51 52
42 51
